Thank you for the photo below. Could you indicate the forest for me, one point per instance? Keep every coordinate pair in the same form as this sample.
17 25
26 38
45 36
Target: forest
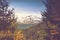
48 29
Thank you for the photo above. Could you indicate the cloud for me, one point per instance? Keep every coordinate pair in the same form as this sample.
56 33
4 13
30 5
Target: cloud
24 13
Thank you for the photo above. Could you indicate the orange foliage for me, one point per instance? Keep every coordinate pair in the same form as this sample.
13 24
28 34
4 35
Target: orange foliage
54 32
18 35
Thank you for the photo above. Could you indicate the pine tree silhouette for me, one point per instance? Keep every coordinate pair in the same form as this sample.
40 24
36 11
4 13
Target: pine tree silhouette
52 12
7 21
52 15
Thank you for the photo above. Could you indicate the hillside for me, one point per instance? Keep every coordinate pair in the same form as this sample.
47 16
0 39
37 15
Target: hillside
36 32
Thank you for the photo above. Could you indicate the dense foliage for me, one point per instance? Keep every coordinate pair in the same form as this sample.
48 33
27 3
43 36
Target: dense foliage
52 18
7 21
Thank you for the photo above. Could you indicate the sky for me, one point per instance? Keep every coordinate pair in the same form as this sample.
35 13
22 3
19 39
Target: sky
27 7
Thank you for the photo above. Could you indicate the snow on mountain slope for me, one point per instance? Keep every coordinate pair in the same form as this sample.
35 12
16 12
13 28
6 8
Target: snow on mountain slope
30 19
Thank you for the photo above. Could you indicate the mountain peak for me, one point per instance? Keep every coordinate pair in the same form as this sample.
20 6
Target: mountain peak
30 19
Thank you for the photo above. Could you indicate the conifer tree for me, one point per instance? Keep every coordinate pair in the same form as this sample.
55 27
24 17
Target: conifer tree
52 12
52 18
7 21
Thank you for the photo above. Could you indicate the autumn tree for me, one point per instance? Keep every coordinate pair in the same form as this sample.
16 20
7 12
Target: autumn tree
52 17
7 21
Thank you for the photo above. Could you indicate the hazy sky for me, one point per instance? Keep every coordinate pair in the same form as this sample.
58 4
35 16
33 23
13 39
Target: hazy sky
27 7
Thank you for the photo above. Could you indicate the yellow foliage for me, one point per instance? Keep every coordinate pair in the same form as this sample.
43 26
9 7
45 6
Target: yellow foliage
5 33
18 35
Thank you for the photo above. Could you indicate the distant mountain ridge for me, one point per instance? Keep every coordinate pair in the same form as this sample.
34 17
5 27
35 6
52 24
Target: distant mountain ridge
30 19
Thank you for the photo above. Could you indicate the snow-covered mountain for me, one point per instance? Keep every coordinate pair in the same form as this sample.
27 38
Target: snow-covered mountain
30 19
